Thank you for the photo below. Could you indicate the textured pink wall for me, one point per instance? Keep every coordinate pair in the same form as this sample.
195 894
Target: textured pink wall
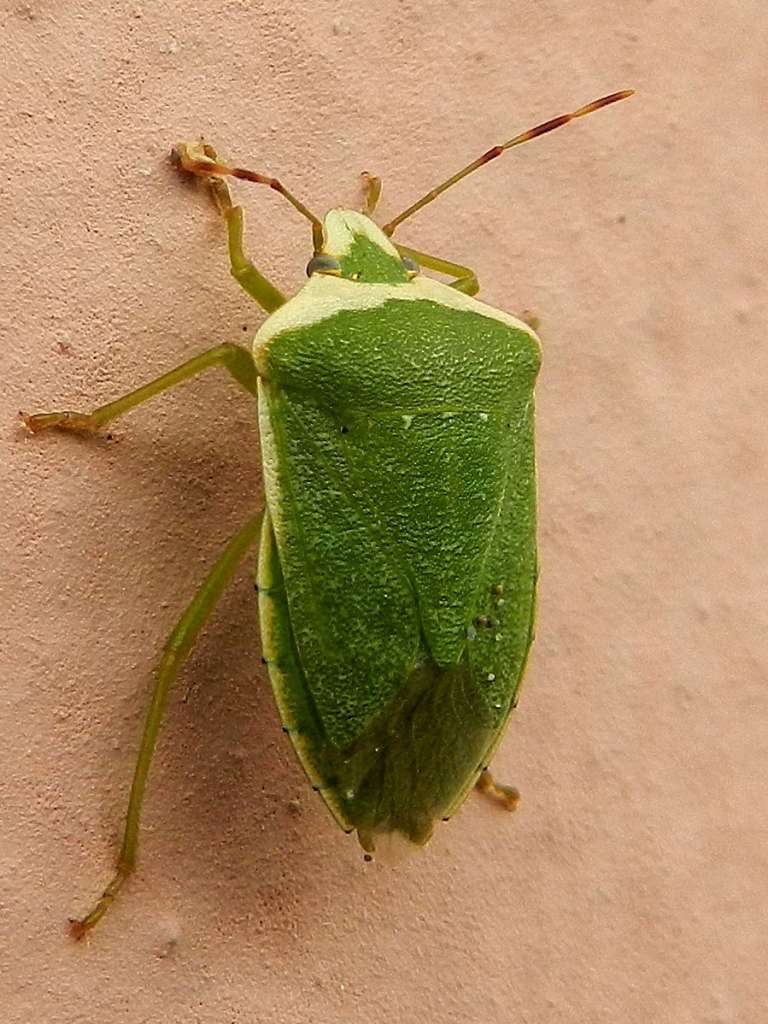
632 885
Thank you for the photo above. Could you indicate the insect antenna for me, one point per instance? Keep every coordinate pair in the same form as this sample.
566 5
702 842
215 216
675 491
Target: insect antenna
518 140
203 160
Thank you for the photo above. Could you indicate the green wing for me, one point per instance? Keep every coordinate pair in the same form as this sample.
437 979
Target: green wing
397 572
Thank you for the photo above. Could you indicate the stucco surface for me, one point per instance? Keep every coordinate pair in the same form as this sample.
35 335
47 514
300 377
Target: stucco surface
632 884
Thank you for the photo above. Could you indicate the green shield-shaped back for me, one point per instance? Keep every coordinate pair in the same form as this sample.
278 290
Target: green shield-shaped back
397 570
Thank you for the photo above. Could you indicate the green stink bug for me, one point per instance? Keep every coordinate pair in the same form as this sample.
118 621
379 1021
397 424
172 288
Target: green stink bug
397 561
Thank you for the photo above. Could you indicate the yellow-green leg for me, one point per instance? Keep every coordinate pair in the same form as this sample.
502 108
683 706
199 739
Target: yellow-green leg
240 364
237 360
241 268
177 648
465 279
507 796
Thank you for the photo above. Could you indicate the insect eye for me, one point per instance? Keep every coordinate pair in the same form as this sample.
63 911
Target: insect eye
324 265
410 266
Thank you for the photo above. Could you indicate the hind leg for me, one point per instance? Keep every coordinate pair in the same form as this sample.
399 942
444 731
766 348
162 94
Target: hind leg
507 796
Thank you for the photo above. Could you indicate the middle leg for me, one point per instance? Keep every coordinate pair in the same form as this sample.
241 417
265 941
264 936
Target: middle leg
237 360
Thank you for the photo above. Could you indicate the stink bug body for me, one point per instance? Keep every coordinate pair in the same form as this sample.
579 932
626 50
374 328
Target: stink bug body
396 555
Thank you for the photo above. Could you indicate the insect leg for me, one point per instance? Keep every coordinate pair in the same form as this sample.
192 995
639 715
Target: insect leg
237 360
251 280
371 192
466 279
508 796
244 272
177 648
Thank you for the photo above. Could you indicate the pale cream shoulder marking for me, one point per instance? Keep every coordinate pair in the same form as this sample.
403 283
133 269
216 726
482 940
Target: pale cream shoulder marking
323 296
269 458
